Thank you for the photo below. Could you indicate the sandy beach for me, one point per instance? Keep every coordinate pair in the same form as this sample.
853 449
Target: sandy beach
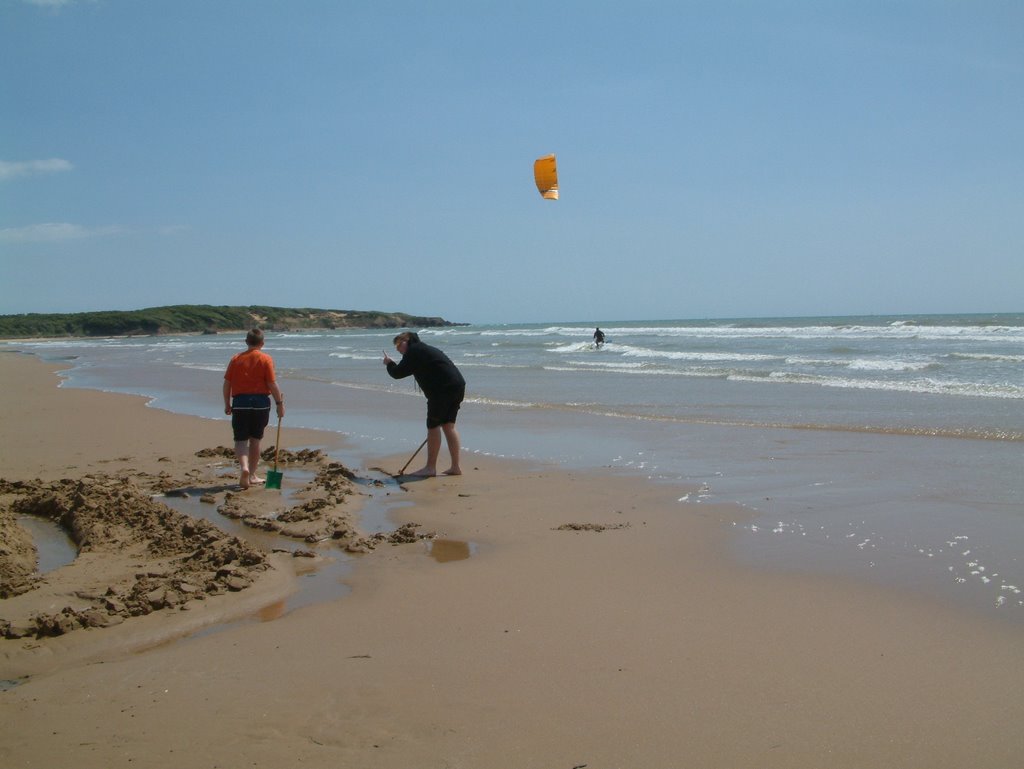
579 620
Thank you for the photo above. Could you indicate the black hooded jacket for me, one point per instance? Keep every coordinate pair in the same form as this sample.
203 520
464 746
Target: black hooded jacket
434 372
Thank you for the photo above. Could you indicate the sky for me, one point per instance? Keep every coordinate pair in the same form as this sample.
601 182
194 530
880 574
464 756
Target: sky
717 159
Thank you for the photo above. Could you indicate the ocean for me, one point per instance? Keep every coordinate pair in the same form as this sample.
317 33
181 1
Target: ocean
887 449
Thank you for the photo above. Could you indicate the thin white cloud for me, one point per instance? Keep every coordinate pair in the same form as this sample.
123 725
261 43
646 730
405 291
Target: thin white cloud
12 169
55 232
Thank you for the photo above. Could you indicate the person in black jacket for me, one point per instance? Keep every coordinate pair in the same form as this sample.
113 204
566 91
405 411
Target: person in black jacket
442 383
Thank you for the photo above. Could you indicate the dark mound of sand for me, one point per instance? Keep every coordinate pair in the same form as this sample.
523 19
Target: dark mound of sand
188 559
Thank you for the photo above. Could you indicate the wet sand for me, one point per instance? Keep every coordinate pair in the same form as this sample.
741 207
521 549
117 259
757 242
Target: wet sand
597 621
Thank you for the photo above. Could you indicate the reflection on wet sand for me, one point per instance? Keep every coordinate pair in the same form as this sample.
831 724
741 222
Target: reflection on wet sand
273 611
445 550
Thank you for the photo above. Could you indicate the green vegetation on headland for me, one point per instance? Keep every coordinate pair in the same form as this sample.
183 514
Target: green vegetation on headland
201 318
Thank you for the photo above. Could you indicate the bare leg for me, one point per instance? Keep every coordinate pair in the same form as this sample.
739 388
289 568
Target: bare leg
254 459
242 455
433 449
451 435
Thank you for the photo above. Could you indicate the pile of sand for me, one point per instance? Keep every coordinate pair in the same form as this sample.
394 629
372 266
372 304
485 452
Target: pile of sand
181 558
136 555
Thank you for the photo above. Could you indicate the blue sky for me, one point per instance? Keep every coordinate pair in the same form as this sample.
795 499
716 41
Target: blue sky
716 159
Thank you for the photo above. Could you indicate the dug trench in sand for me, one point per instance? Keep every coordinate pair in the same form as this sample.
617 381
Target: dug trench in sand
137 556
597 621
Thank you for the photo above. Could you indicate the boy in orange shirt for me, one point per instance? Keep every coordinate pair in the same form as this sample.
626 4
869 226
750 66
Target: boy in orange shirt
248 384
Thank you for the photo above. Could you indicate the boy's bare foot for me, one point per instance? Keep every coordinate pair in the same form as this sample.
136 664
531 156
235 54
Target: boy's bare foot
453 471
424 472
256 480
243 481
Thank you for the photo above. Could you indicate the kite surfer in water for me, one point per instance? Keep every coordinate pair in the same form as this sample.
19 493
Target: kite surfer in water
598 337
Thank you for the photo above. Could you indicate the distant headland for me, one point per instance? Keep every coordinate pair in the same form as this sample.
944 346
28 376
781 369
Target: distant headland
202 319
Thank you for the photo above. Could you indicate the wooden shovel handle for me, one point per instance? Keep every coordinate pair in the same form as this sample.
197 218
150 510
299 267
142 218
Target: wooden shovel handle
402 471
277 444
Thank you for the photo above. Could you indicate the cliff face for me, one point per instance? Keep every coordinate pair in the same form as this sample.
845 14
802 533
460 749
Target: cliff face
184 319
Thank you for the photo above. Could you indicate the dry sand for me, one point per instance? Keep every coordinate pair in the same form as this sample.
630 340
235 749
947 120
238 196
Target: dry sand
597 622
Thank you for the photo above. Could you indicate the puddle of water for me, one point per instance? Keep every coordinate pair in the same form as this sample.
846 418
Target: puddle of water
447 550
386 496
265 540
276 610
53 545
324 581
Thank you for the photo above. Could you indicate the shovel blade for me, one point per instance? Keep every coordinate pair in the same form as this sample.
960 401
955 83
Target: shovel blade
274 479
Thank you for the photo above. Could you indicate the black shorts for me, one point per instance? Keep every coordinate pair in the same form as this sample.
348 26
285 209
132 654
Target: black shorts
443 408
249 417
